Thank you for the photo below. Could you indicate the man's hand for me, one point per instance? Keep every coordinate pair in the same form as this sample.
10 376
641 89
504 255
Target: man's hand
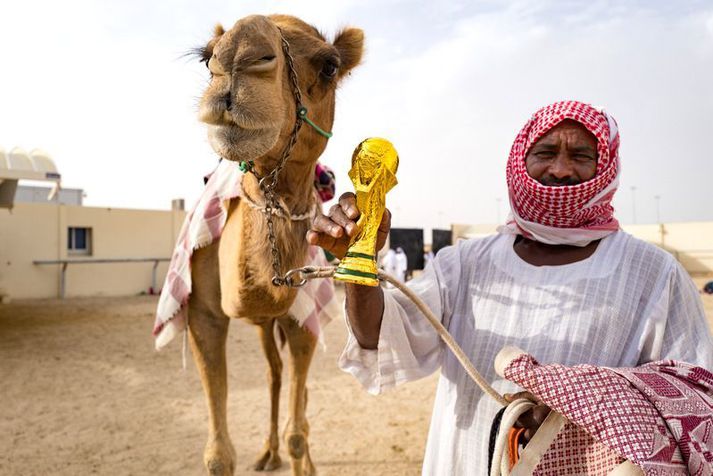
531 419
334 231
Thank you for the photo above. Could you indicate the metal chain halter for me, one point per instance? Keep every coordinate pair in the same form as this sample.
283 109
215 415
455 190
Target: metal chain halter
269 182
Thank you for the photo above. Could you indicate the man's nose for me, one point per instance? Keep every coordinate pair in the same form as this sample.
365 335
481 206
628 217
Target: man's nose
561 167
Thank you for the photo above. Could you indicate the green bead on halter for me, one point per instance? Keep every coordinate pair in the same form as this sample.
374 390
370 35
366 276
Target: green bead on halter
302 112
246 166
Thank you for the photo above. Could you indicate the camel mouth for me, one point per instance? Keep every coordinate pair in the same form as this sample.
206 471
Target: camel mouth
233 142
235 133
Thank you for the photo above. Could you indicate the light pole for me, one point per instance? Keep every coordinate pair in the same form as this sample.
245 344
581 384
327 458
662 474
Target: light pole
662 229
633 203
658 210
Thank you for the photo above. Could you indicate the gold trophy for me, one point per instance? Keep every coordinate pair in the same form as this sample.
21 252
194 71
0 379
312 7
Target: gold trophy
373 173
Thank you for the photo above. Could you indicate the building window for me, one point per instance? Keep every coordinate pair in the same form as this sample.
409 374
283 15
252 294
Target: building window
79 241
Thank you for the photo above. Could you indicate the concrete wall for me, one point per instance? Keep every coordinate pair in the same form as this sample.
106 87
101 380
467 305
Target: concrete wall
690 242
36 231
35 194
462 231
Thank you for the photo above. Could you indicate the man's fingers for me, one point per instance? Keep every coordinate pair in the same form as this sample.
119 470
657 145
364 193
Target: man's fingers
532 419
320 239
324 224
514 396
347 201
526 420
539 413
385 224
338 216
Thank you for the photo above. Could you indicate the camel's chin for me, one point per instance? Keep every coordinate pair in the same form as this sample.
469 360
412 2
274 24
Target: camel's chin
236 143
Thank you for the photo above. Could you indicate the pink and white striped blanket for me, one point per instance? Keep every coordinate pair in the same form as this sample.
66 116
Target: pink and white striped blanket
659 416
314 306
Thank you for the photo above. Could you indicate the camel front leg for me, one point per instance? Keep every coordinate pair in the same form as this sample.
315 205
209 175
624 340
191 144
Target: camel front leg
301 345
208 335
270 458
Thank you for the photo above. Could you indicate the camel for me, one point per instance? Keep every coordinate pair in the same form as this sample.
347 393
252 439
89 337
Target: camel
250 110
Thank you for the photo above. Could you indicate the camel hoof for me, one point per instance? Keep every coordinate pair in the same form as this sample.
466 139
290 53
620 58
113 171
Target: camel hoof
216 467
219 460
269 461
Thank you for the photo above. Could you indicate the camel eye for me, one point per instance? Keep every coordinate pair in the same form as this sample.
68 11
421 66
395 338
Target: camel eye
329 70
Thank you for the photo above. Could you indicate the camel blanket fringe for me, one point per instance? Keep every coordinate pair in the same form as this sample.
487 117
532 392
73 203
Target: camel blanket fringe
314 306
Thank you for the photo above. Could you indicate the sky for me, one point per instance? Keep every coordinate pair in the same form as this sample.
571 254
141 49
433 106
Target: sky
105 87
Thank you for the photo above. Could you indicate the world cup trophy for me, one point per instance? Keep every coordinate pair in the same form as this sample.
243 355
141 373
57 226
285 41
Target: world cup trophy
373 173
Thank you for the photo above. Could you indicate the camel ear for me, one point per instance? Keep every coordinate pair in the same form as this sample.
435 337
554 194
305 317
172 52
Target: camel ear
350 45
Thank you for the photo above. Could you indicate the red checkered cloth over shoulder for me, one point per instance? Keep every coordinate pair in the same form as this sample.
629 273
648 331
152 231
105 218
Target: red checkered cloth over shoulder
314 306
659 416
569 214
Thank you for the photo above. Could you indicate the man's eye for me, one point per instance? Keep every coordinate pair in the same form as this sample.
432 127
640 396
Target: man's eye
583 158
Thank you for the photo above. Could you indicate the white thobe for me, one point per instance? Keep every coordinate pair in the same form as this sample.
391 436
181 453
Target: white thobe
401 266
628 303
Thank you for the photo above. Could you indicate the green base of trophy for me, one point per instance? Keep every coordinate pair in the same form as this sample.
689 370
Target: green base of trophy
358 268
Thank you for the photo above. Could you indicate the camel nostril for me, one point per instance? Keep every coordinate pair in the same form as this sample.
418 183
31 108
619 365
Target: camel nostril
228 102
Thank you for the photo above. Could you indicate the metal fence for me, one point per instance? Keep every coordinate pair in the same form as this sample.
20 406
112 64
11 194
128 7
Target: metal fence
66 262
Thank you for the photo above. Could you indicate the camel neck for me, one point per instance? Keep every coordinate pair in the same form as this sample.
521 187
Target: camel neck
294 187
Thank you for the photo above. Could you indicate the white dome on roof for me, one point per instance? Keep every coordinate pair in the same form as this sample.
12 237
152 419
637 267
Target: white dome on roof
19 159
42 161
19 165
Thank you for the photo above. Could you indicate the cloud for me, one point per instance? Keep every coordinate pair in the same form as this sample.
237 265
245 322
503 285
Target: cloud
455 107
103 87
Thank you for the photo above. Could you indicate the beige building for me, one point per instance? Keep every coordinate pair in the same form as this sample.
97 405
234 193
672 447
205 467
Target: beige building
51 245
33 232
690 242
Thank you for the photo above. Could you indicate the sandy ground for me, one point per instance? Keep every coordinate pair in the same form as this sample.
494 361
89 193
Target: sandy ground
83 392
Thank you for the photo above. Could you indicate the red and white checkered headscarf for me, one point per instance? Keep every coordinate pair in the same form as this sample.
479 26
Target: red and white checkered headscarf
569 214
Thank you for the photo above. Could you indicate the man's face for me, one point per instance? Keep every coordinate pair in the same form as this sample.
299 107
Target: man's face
565 155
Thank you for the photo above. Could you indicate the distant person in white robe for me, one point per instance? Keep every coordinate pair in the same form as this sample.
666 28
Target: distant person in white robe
427 258
401 265
389 265
560 280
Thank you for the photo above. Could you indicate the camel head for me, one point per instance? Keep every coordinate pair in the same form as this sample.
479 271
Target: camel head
249 104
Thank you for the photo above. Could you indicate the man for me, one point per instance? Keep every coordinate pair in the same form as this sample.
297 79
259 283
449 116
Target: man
388 264
401 264
427 256
560 281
